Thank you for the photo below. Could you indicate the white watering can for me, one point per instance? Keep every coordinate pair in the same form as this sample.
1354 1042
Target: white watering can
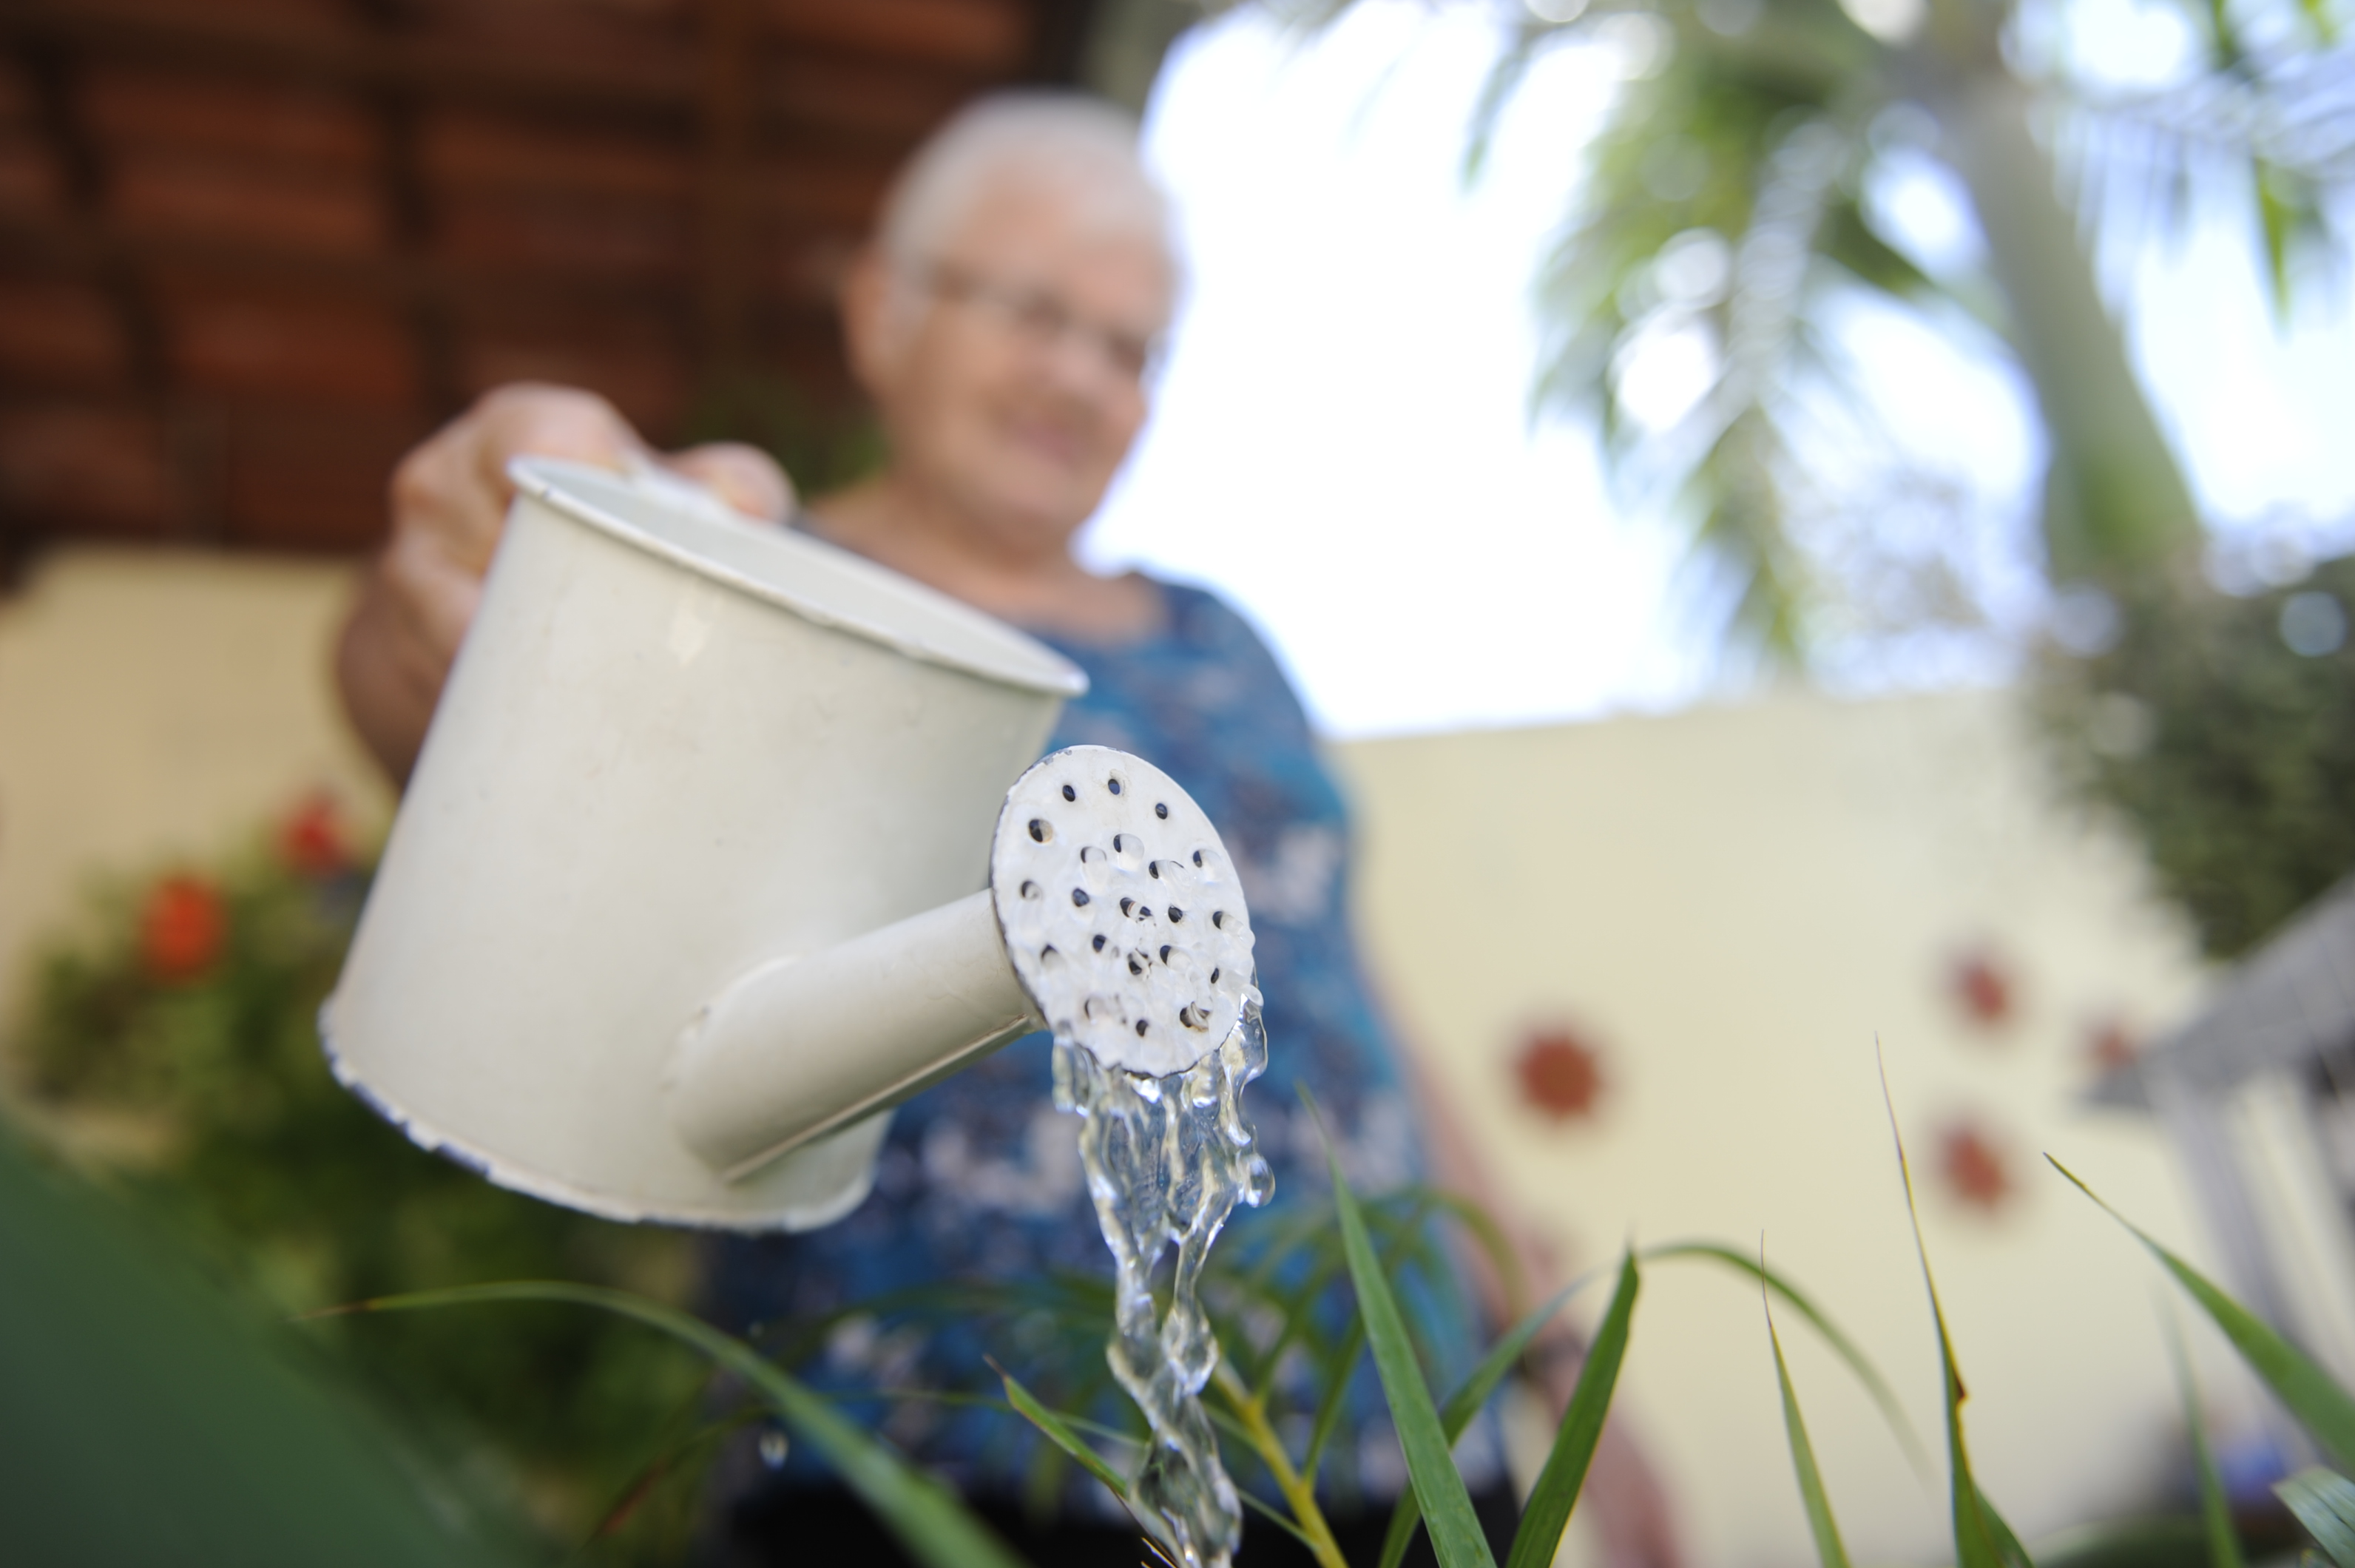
682 895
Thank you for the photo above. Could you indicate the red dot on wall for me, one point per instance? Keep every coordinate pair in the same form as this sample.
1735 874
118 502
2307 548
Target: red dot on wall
1560 1073
1972 1165
1983 989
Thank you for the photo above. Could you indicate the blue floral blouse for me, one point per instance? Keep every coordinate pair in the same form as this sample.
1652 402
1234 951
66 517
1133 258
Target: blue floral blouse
980 1179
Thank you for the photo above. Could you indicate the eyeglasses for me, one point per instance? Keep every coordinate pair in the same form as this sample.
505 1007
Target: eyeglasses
1042 321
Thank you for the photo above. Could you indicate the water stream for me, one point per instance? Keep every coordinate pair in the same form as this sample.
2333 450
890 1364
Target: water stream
1167 1160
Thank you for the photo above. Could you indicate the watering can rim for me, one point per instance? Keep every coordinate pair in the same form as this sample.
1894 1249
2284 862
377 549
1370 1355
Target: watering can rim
1023 661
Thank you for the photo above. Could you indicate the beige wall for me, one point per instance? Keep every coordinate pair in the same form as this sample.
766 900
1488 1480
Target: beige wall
1736 902
153 705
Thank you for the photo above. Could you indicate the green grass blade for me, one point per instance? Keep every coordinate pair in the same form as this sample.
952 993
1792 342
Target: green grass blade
2324 1504
1829 1550
925 1515
2308 1392
2215 1509
1547 1512
1469 1397
1981 1538
1841 1345
1328 1407
1058 1432
1456 1536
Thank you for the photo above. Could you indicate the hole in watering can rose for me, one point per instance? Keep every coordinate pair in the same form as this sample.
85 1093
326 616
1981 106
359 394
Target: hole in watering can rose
1140 1028
1098 1007
1048 956
1176 914
1030 890
1165 953
1214 977
1128 905
1161 811
1198 856
1155 870
1193 1017
1091 855
1113 783
1219 918
1039 832
1099 942
1080 897
1135 964
1071 793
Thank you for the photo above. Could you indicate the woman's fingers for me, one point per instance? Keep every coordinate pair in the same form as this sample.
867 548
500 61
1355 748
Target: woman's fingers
744 477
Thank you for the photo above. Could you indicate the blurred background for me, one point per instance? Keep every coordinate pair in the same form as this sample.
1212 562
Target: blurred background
1813 530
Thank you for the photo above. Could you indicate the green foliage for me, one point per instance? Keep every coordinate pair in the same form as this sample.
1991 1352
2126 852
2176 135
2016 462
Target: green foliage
2324 1504
1725 195
2230 756
2325 1409
1545 1514
2215 1507
173 1051
1829 1550
918 1508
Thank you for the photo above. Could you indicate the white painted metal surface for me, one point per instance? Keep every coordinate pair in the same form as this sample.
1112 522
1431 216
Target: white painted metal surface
675 749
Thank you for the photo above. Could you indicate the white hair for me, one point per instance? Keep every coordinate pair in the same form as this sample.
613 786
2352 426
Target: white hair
1082 145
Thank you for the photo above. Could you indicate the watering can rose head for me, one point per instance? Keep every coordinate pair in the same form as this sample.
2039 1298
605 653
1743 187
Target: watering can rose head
1120 911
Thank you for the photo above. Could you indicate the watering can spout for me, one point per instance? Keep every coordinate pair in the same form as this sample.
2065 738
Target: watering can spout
797 1048
1111 915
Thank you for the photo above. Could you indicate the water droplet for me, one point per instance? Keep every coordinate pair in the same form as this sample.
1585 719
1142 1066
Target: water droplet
774 1446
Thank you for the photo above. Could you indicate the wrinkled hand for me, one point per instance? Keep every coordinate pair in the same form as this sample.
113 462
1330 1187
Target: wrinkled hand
449 500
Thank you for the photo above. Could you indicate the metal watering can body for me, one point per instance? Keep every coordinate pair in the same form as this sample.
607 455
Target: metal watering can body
679 759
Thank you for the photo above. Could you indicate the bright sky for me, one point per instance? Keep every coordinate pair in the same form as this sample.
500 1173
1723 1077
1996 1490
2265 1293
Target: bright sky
1343 445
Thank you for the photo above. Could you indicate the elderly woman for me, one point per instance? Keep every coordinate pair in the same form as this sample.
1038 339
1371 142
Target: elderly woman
1006 323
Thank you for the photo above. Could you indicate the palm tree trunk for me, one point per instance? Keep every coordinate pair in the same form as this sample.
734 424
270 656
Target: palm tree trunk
2116 498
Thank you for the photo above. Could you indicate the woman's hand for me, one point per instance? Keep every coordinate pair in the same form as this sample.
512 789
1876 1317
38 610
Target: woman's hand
449 500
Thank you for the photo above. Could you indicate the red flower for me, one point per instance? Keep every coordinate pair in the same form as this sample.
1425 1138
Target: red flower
183 928
1972 1162
311 837
1982 989
1561 1074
